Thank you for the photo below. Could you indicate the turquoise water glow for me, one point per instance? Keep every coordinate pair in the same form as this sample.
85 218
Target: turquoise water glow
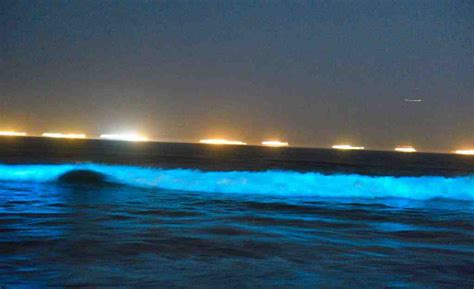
281 183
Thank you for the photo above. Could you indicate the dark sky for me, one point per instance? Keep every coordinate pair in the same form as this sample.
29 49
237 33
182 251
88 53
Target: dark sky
314 73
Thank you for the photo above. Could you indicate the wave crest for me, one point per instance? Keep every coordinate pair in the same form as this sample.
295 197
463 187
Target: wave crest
283 183
82 176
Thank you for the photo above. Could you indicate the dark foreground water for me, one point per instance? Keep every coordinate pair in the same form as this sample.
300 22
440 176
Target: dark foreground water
92 225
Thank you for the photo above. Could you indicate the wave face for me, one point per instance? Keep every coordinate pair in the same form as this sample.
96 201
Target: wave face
282 183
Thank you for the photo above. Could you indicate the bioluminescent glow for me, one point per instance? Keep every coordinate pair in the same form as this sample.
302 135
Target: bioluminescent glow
347 147
62 135
12 133
124 137
405 149
464 152
281 183
274 143
222 142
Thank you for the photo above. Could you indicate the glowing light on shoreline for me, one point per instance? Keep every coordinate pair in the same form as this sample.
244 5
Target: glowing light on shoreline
124 137
405 149
464 152
347 147
62 135
12 133
274 143
221 142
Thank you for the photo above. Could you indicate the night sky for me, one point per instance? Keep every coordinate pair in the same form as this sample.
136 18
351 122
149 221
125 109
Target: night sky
313 73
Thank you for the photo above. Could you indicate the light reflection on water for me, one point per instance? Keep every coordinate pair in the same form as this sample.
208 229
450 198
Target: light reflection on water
91 235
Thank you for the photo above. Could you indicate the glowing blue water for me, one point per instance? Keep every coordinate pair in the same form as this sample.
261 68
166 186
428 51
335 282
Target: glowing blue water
282 183
269 229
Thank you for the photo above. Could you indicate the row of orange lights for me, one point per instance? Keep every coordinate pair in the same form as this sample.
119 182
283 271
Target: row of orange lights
269 143
124 137
401 149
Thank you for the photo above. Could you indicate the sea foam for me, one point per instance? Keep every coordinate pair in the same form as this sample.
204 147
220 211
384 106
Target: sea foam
282 183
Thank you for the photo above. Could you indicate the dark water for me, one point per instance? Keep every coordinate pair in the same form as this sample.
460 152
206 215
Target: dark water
362 223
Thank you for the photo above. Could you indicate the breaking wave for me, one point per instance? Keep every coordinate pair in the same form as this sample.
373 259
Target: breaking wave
282 183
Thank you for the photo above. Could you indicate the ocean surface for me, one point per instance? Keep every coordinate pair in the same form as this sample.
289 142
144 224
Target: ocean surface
81 213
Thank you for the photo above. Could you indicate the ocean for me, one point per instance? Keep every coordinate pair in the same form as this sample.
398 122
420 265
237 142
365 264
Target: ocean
90 213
